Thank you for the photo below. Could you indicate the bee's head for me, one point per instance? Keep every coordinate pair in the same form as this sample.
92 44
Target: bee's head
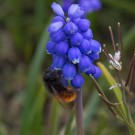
52 74
47 75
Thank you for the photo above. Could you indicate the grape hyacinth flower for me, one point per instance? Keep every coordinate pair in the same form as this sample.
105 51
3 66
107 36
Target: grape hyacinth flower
71 44
90 5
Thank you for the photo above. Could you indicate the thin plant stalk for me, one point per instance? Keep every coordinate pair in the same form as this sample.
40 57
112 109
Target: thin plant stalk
126 121
122 107
79 112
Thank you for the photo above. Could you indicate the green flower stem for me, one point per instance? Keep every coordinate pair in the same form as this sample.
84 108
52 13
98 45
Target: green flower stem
79 112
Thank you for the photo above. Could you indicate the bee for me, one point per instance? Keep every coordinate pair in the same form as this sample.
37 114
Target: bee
52 81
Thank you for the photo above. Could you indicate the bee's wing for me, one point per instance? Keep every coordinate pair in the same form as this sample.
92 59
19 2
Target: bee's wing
57 95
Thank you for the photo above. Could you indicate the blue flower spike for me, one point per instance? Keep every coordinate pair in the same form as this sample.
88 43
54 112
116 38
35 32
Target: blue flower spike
74 55
66 4
70 28
69 71
94 56
76 39
88 34
76 20
85 47
84 25
50 47
61 48
55 26
72 46
57 9
57 36
76 11
84 64
58 19
58 62
96 47
78 81
98 72
90 5
92 70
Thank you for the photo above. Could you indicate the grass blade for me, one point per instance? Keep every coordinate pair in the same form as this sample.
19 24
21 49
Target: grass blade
34 72
53 120
69 123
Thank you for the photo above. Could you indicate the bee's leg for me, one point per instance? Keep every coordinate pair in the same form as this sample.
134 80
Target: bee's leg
55 92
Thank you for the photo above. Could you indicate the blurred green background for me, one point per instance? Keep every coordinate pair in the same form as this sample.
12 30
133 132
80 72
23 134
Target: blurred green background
25 106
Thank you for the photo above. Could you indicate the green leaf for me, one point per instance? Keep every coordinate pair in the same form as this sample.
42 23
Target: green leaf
53 120
91 108
35 120
109 79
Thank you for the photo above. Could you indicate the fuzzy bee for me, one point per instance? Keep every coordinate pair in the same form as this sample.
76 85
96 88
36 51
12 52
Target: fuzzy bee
52 80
